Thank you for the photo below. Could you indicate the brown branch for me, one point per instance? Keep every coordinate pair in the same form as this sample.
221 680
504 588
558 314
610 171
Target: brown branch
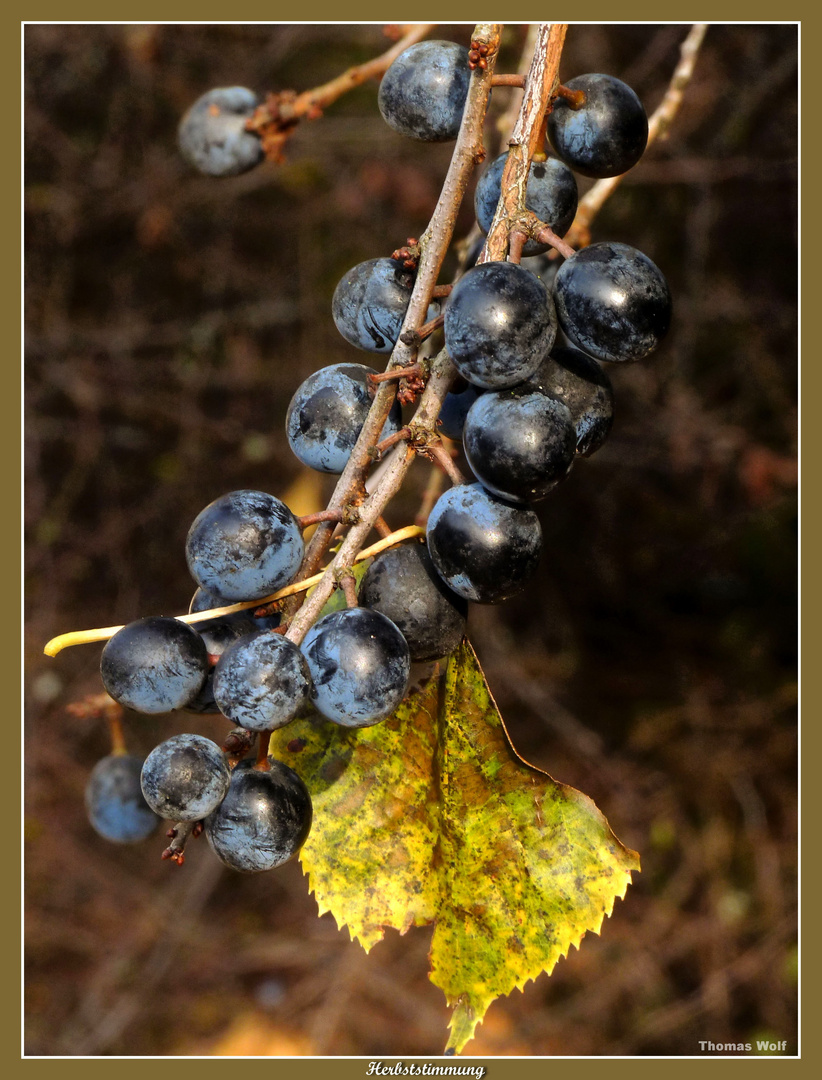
516 242
439 381
382 527
370 510
263 741
546 235
433 247
579 235
323 96
389 441
505 124
102 705
541 83
574 98
179 834
428 328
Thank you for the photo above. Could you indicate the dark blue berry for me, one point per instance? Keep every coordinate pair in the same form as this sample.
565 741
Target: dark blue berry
213 137
217 635
370 301
580 383
422 94
264 819
607 135
612 302
327 413
185 778
455 409
154 665
262 682
483 547
359 664
519 444
403 585
499 325
244 546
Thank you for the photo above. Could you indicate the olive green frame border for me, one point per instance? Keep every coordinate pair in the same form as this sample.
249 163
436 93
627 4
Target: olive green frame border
13 18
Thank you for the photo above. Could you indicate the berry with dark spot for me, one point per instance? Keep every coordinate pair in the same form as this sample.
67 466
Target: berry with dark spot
370 302
327 413
185 778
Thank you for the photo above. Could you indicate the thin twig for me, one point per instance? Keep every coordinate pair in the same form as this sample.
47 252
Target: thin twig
574 98
428 328
516 242
321 515
517 81
349 587
505 124
546 235
391 440
383 528
395 373
323 96
349 550
276 119
443 458
263 740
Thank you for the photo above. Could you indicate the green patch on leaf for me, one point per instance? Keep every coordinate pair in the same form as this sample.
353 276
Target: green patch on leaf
433 817
337 601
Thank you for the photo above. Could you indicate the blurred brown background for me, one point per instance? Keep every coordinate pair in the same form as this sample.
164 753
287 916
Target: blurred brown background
653 664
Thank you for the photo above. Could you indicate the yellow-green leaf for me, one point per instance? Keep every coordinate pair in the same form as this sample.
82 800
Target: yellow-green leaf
432 816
